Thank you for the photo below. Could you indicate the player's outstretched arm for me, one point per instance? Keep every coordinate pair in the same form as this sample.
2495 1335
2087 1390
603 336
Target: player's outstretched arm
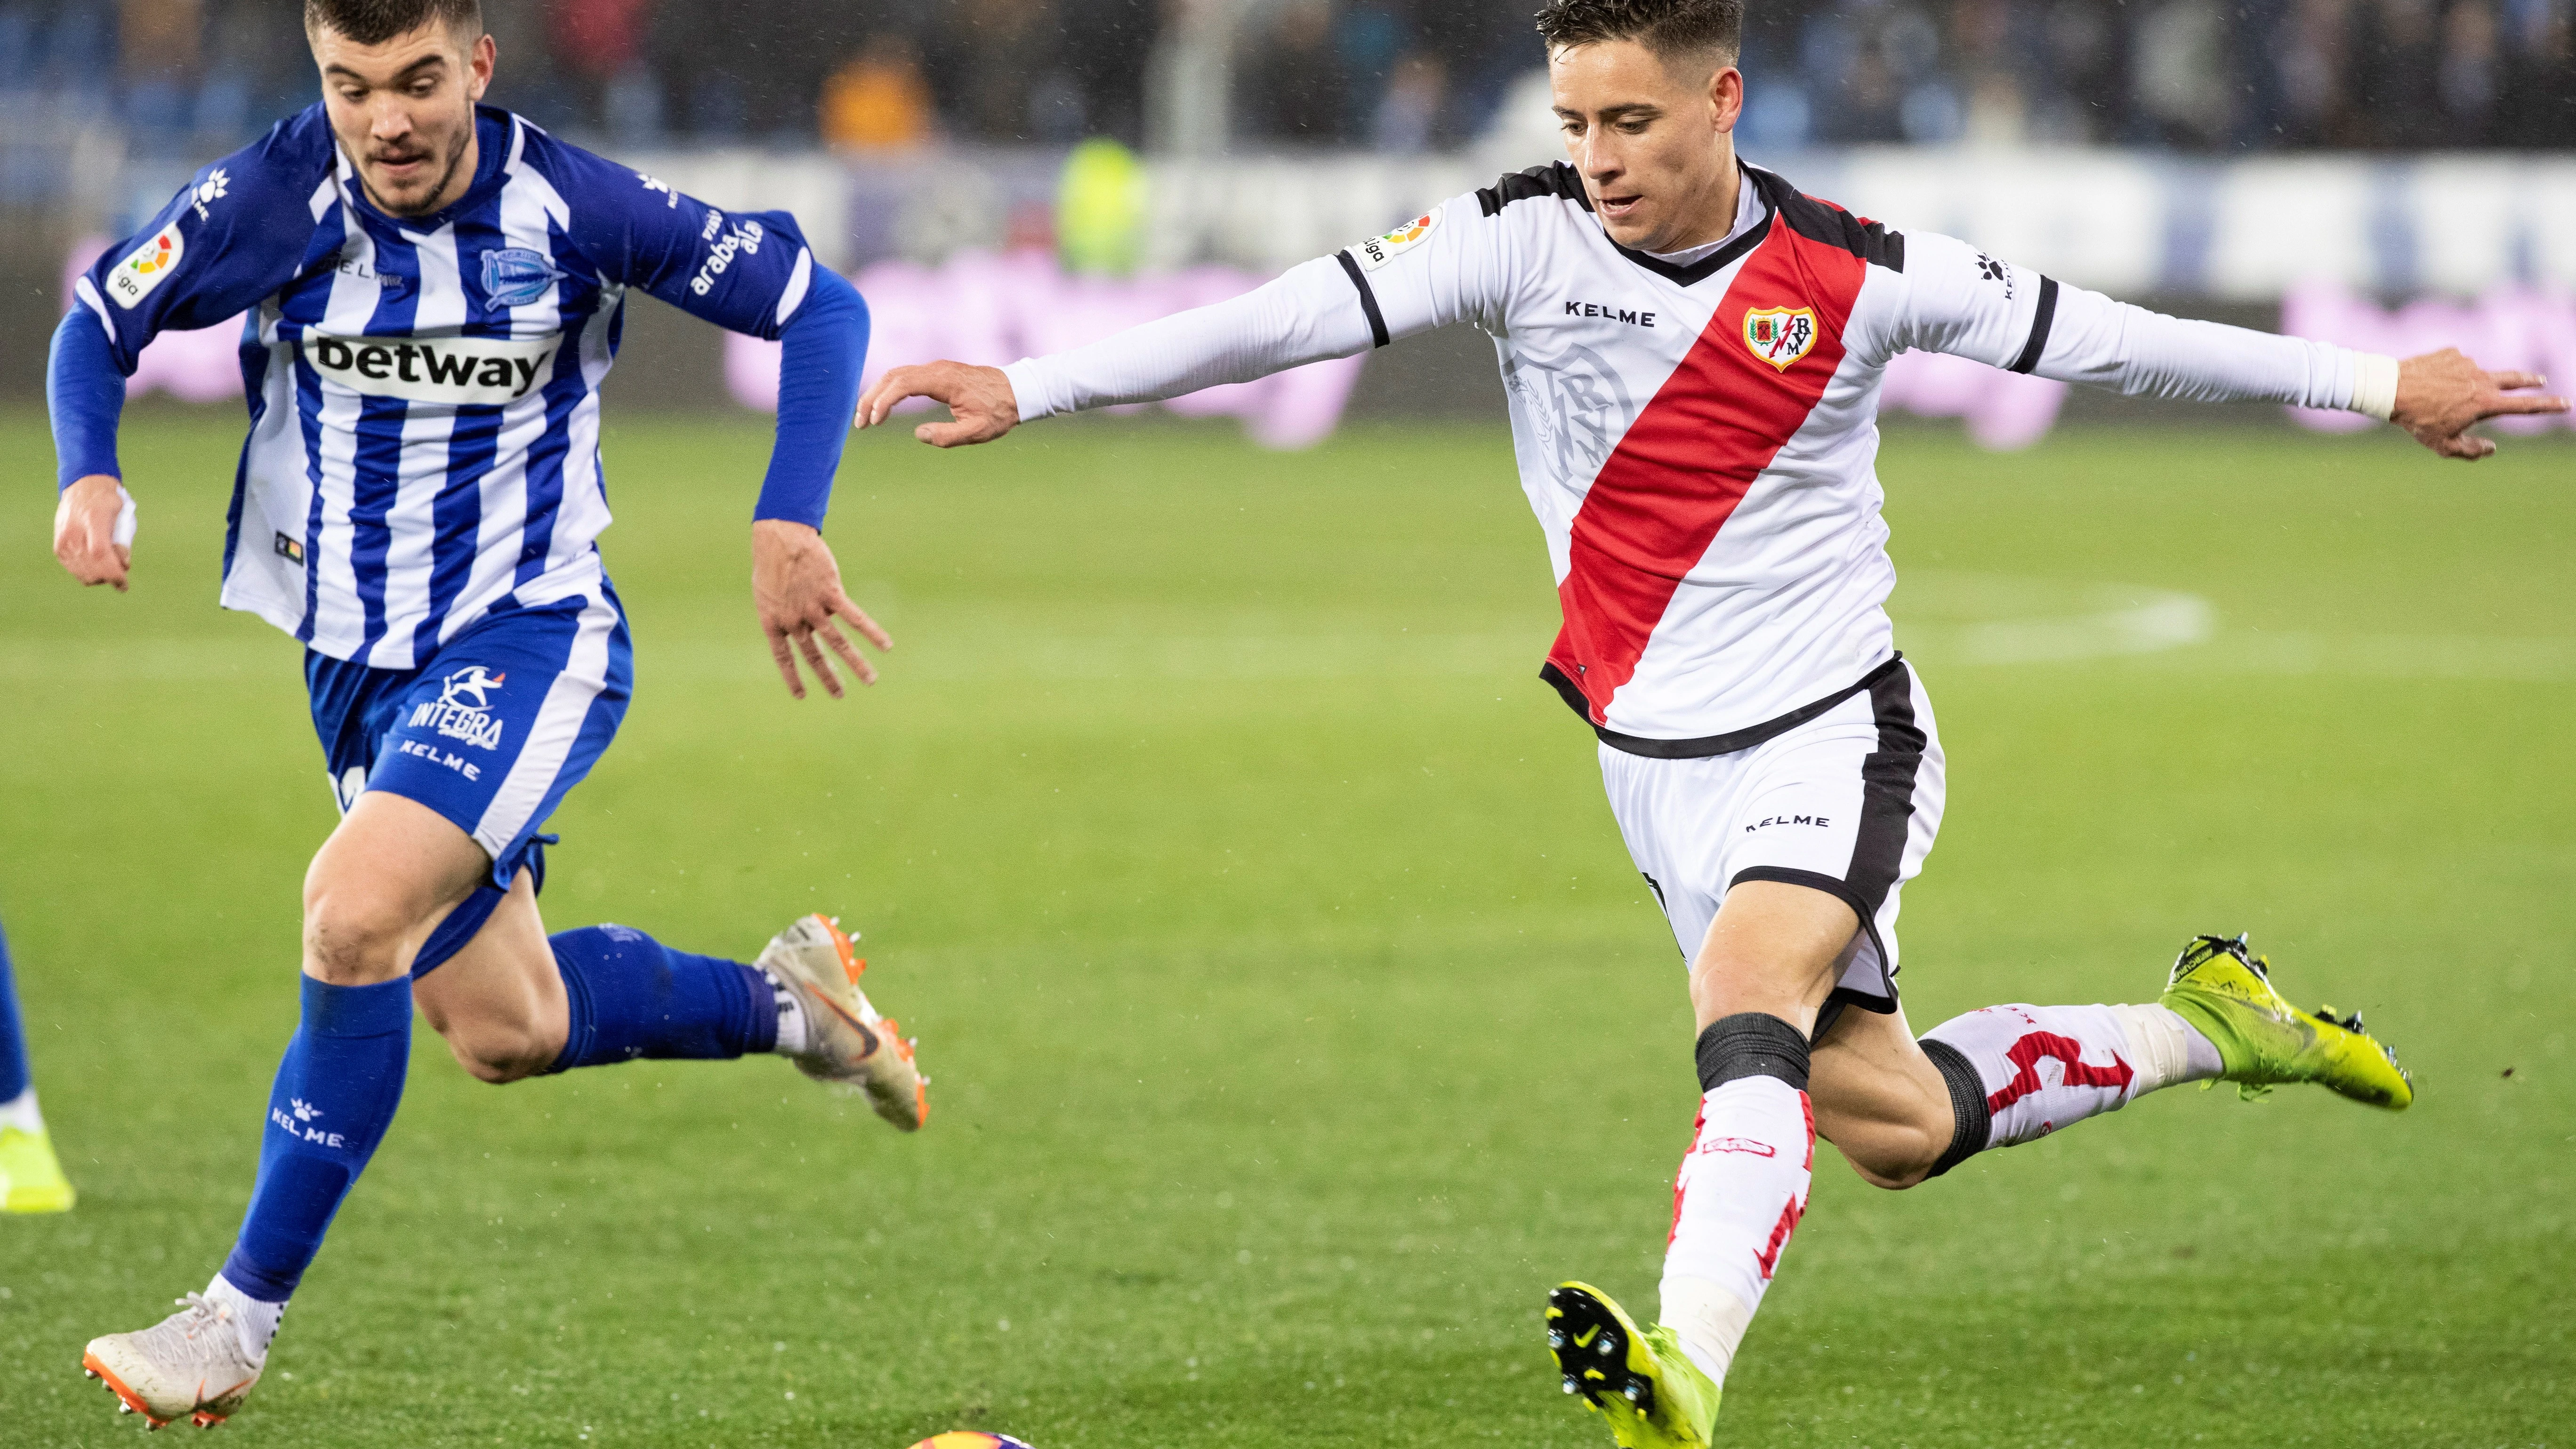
1953 298
980 397
2441 394
1310 312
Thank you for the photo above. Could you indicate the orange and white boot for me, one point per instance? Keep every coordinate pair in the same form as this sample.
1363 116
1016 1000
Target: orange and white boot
191 1365
846 1041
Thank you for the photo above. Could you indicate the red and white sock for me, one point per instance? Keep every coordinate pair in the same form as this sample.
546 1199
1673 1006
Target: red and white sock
2020 1072
1739 1195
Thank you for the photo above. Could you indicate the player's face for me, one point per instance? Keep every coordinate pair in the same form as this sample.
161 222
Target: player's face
1654 140
404 112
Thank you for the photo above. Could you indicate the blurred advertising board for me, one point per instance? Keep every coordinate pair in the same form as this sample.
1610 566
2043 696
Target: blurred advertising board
993 255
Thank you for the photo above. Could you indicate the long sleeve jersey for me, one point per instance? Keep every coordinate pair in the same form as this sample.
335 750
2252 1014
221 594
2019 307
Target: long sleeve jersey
1698 435
424 391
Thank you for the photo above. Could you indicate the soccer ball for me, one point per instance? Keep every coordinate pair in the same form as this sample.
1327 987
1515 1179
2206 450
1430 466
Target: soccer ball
969 1439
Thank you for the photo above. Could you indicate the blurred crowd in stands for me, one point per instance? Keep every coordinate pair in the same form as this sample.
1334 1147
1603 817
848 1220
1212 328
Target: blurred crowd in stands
1397 75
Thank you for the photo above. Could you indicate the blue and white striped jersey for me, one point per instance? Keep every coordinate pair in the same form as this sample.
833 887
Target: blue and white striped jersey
424 391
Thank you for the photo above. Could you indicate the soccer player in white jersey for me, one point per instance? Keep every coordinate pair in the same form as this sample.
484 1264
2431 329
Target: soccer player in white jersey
435 291
1692 351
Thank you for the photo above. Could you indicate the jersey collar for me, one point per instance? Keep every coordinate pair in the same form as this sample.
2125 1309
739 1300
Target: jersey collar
1726 256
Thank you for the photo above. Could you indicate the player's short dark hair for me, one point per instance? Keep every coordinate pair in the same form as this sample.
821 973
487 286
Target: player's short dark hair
373 22
1669 28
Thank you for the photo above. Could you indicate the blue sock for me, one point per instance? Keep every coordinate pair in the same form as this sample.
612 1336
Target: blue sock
335 1095
14 1078
634 997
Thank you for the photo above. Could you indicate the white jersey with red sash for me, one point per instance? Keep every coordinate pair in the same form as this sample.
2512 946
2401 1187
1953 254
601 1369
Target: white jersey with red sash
1697 433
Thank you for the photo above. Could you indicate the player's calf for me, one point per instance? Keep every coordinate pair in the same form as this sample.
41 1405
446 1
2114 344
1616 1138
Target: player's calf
1880 1100
497 1052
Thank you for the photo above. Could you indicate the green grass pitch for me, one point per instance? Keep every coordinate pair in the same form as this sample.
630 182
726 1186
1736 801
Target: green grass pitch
1295 1015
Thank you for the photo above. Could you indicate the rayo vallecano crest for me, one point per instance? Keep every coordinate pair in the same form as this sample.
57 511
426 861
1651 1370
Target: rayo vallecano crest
1781 335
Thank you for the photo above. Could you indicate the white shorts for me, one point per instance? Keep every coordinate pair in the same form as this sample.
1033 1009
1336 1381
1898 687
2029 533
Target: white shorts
1846 802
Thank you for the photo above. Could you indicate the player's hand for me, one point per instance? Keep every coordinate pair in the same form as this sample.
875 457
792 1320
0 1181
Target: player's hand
980 397
2441 393
797 585
85 532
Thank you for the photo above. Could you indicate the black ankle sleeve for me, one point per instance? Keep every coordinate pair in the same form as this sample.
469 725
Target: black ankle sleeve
1751 1044
1973 1123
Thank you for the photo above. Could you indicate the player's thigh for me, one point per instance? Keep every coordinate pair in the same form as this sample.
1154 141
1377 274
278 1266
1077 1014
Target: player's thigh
499 1000
1848 805
1750 946
388 874
1774 948
1878 1098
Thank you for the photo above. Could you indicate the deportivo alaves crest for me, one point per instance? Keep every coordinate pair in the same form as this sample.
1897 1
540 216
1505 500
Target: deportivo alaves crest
517 276
1780 335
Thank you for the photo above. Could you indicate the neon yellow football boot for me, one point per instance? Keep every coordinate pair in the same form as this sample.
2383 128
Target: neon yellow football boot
2225 990
31 1179
1642 1382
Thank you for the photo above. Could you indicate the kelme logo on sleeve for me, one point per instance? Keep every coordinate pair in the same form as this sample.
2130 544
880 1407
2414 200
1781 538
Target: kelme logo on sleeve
459 371
149 266
1781 335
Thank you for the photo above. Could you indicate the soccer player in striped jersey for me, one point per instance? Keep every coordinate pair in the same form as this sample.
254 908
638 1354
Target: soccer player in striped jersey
31 1177
434 292
1692 351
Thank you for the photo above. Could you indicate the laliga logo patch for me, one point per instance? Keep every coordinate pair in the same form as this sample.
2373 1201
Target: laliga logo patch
516 276
1377 251
1781 335
152 263
462 709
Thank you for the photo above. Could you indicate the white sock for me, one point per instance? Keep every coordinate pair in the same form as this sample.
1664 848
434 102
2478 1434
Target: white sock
2167 1049
1709 1321
253 1319
1739 1195
2048 1067
20 1112
792 1032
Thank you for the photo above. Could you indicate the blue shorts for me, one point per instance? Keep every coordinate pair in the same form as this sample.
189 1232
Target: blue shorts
490 732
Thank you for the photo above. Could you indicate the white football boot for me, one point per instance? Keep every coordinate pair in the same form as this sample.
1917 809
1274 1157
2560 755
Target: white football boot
845 1040
190 1365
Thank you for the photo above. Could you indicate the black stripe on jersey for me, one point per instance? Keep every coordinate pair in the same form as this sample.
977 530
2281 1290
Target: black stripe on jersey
1368 299
1817 221
1554 179
1707 745
2039 322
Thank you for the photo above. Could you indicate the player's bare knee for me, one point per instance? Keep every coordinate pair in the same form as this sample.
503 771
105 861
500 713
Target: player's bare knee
352 937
